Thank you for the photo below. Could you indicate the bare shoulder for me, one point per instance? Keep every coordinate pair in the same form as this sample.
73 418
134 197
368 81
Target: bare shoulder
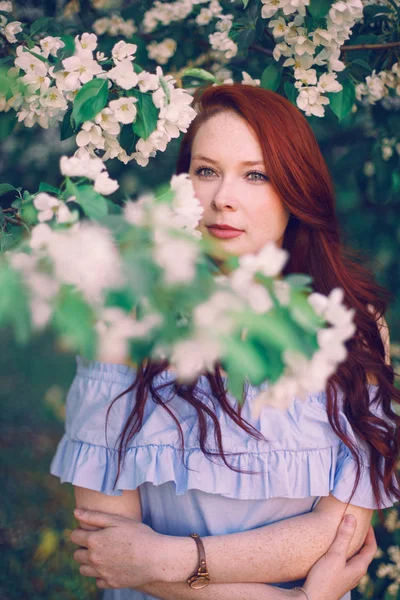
384 331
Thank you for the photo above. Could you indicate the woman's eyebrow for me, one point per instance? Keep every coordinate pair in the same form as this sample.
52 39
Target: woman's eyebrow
245 163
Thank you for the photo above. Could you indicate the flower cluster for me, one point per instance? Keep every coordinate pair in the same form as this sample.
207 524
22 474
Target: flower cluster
115 25
163 51
48 93
164 13
307 376
378 85
302 48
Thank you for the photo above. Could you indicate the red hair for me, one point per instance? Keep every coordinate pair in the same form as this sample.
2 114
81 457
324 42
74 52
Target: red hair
297 170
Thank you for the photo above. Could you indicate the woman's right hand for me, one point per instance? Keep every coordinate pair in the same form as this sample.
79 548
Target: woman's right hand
333 575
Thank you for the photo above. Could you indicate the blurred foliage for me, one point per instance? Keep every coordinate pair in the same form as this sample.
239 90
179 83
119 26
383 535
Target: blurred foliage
36 512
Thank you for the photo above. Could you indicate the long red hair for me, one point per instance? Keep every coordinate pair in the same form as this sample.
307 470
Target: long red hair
297 170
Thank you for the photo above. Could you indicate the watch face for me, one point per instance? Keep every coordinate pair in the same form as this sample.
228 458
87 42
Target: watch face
200 583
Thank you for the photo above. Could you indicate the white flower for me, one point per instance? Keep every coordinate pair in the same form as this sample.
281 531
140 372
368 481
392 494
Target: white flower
269 261
204 17
248 80
221 41
281 49
321 37
148 81
87 166
53 98
124 75
50 45
305 77
122 50
254 294
216 313
270 7
115 327
124 109
279 27
311 101
176 256
90 134
29 63
299 62
47 206
104 185
186 207
11 29
224 22
87 41
331 307
6 5
81 68
303 44
107 121
84 256
328 83
192 357
135 212
162 52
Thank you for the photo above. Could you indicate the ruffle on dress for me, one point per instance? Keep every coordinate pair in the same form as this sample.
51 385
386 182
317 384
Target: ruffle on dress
302 456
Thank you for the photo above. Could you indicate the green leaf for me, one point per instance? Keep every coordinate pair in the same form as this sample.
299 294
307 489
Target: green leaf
41 24
74 320
271 78
147 115
7 123
342 102
5 188
245 38
127 139
90 100
66 126
46 187
319 8
93 204
14 307
199 74
245 3
290 91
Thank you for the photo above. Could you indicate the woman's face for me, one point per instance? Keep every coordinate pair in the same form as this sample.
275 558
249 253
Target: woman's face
229 178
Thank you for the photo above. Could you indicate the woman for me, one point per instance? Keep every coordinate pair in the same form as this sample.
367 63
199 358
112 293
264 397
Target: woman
271 511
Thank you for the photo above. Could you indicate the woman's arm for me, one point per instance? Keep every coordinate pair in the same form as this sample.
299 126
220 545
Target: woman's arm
283 551
128 505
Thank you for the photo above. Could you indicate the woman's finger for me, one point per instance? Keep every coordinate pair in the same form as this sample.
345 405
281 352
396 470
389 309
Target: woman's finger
82 556
361 561
101 584
88 571
344 535
80 537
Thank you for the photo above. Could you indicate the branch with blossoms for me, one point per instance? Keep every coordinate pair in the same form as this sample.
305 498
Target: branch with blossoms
142 283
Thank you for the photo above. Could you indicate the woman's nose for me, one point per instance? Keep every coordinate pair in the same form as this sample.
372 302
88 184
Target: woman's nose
224 199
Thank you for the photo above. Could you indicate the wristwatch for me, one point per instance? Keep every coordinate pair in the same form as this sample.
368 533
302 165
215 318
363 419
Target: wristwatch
200 578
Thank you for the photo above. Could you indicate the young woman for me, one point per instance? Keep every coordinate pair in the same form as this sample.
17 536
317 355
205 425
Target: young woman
266 495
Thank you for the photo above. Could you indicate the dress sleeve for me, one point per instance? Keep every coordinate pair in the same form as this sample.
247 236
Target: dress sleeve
85 456
346 470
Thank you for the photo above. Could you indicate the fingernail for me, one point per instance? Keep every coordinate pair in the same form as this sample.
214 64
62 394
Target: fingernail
78 512
349 520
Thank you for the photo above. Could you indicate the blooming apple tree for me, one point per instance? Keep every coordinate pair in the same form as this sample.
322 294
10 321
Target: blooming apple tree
127 282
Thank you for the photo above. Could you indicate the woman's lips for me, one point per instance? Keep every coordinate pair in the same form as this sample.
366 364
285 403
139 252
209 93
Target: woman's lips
224 234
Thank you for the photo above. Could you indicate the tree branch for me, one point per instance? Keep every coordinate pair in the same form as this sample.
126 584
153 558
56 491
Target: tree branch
370 46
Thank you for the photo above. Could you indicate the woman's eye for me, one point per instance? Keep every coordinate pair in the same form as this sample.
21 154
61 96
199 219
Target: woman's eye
257 176
204 172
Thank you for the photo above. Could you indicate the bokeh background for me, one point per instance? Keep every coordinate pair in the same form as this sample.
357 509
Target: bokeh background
35 510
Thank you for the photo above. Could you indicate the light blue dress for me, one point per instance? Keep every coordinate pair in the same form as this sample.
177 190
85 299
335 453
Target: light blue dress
302 460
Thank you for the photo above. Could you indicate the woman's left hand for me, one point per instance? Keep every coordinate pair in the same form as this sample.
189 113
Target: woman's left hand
121 553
